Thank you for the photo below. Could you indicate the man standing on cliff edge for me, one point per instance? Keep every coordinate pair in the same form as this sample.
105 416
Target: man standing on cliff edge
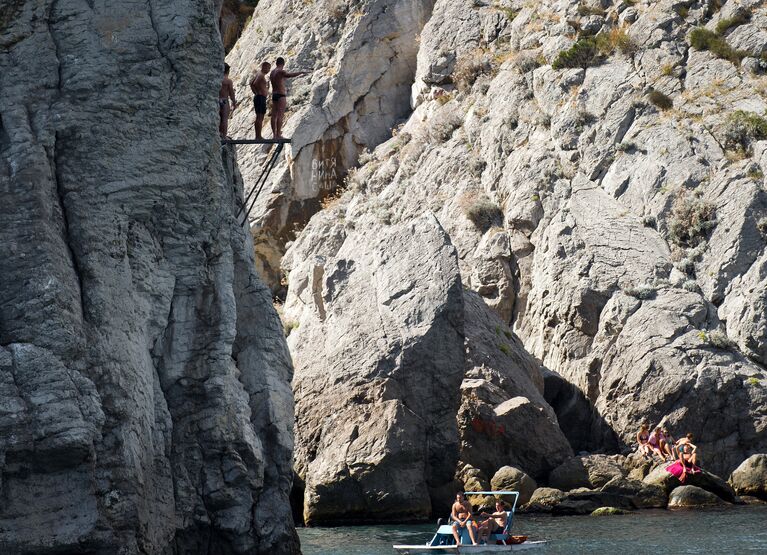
224 94
260 87
278 77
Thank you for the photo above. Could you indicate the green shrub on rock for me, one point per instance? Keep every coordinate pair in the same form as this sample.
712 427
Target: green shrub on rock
719 339
584 53
691 219
660 100
742 128
483 213
703 39
591 51
728 23
643 292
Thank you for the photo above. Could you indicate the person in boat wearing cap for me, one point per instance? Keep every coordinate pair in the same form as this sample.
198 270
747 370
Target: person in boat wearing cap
461 514
495 522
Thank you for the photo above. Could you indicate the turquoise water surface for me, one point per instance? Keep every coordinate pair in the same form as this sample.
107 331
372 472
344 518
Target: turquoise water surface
731 531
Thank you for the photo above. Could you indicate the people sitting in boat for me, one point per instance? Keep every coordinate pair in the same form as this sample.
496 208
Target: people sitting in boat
643 437
654 442
495 522
669 444
461 515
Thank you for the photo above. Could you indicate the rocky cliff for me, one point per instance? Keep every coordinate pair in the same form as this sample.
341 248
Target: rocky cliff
590 172
145 404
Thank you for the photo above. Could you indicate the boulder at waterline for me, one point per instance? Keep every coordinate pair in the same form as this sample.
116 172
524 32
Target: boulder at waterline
692 497
509 478
543 500
750 478
642 495
584 502
609 511
705 480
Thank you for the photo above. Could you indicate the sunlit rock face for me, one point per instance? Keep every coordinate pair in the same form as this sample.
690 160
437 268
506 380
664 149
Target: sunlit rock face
145 404
362 60
607 210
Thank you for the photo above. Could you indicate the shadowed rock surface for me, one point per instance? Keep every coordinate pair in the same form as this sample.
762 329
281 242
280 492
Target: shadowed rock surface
145 404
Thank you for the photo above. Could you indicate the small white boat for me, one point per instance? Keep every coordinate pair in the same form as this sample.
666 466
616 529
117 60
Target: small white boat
444 542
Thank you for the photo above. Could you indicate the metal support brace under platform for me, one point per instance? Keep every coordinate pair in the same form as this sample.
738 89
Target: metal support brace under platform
250 200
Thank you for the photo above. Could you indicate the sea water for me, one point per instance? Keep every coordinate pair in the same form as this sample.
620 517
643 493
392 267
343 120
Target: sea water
728 531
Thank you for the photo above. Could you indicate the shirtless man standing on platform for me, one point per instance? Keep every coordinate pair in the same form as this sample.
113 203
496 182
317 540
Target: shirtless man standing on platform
278 76
224 94
260 87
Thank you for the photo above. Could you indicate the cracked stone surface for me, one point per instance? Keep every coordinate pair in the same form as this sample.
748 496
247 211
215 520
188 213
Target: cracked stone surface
362 59
145 404
620 245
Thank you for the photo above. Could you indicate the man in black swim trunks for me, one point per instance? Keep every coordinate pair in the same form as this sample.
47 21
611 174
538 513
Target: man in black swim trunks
260 87
280 95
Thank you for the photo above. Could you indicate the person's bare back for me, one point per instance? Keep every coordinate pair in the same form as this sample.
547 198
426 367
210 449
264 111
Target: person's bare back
225 93
227 89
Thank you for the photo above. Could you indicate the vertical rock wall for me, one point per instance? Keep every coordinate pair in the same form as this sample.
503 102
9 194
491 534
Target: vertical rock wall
144 381
361 56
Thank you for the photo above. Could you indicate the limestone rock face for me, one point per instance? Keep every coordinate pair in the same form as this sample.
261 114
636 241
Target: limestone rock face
503 418
750 478
394 332
692 497
145 404
617 235
376 398
593 471
362 59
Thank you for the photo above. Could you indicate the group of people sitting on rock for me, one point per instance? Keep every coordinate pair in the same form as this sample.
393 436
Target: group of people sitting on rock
661 443
479 526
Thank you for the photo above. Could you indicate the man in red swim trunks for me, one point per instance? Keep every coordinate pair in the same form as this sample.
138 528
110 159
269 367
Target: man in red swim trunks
260 87
278 76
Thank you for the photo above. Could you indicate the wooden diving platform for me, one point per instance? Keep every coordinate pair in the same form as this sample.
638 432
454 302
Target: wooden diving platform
255 141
